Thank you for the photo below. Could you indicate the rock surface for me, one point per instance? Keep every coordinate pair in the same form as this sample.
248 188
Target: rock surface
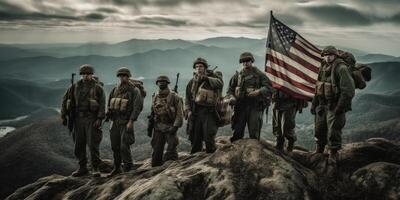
246 169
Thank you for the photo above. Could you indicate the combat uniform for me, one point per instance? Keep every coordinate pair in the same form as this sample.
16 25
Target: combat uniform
249 110
201 100
333 95
167 108
124 104
87 99
284 112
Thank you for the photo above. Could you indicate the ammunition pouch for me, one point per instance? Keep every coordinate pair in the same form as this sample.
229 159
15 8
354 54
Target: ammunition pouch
93 105
326 90
119 104
206 97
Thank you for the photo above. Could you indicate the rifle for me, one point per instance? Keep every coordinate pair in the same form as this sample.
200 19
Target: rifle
151 122
176 83
71 113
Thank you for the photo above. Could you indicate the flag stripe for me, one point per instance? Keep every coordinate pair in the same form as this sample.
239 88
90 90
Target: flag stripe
307 51
301 55
290 92
290 80
291 69
308 44
291 62
291 87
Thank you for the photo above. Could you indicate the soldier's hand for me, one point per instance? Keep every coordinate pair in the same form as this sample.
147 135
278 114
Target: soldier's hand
187 113
129 125
232 101
254 93
173 129
64 121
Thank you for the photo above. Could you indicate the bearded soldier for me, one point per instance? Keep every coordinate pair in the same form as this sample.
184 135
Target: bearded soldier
333 96
249 91
86 100
167 112
124 106
202 94
285 108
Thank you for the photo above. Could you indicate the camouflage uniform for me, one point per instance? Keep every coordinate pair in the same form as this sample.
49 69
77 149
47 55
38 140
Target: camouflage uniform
200 100
167 108
249 110
284 112
124 104
88 101
334 92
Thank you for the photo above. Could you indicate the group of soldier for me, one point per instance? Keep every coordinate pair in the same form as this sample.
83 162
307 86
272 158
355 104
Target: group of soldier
250 92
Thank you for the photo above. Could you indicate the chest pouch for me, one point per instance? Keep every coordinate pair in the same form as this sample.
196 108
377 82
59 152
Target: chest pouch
206 97
93 105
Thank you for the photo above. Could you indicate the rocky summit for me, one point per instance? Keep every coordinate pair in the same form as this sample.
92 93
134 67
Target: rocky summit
245 169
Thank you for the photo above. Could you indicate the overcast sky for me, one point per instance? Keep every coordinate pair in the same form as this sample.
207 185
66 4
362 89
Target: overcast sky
370 25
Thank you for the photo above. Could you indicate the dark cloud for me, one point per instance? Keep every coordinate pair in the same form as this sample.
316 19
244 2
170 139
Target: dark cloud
395 18
162 21
107 10
339 15
262 21
94 17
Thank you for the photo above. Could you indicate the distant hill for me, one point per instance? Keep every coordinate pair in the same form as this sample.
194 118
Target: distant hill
8 52
385 77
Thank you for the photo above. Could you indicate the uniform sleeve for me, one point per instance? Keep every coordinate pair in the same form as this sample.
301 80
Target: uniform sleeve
102 103
110 96
346 85
232 85
266 88
137 101
64 102
179 111
188 95
216 83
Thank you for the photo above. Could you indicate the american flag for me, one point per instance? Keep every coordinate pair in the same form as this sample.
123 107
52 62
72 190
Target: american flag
292 63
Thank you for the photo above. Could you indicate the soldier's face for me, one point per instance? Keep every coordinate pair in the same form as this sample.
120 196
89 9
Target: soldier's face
86 77
200 69
162 84
247 64
123 78
330 58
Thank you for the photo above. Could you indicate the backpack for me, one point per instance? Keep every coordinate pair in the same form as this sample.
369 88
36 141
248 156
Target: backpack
139 84
360 73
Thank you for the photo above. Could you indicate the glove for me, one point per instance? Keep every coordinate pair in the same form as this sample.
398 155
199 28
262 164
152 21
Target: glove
254 93
64 121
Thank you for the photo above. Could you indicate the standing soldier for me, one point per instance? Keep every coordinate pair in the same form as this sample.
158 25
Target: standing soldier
167 113
284 112
249 91
86 100
333 95
202 94
124 107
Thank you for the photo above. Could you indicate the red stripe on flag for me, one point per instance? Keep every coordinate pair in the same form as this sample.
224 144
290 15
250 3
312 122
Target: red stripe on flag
290 68
300 48
308 44
289 80
303 62
312 49
290 92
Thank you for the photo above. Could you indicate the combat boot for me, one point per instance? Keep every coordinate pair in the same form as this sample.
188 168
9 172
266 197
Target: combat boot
127 167
280 143
95 171
117 170
290 146
81 171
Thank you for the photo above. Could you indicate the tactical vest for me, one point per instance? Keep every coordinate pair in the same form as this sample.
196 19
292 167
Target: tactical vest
326 86
83 101
119 102
163 108
206 97
247 83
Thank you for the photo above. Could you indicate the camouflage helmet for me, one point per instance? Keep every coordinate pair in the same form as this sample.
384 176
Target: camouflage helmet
163 78
246 56
123 71
86 69
329 50
200 61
